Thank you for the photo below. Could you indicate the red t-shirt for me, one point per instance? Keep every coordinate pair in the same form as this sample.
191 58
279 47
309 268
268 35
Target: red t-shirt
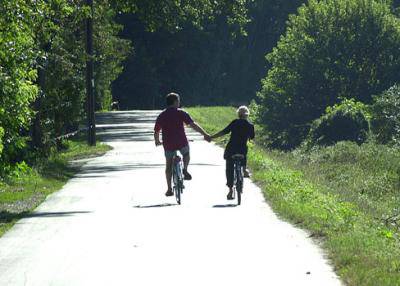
171 122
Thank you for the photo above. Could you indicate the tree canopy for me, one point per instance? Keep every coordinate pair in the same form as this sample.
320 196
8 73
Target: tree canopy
332 49
211 65
43 58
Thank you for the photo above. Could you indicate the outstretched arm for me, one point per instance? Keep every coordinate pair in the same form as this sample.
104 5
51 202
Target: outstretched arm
199 129
219 134
223 132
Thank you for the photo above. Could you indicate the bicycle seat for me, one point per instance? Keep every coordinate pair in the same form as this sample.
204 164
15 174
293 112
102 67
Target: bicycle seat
238 157
177 158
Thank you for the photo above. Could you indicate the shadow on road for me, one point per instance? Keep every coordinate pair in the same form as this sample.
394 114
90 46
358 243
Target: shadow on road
6 216
225 206
125 117
155 206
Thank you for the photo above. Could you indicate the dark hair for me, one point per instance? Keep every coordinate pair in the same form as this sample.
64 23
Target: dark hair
171 98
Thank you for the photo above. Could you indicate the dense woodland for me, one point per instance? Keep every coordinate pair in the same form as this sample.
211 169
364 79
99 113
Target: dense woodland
43 59
316 72
218 64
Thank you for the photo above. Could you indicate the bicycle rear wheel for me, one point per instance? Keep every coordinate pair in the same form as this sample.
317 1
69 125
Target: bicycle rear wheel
239 184
177 194
239 194
176 181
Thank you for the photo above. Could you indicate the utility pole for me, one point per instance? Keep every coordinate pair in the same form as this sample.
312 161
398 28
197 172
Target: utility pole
90 78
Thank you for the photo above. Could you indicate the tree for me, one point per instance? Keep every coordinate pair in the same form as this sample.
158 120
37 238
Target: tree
110 51
17 76
171 14
386 116
60 42
332 49
211 65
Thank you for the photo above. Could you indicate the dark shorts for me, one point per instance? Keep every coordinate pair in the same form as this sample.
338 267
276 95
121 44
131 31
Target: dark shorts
184 151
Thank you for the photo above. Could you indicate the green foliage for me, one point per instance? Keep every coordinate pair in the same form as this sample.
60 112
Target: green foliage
171 14
17 75
1 139
363 173
345 194
62 99
386 116
347 121
213 119
43 59
332 49
111 51
42 71
211 65
62 104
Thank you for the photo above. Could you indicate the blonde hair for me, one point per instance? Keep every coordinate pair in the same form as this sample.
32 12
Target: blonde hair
243 111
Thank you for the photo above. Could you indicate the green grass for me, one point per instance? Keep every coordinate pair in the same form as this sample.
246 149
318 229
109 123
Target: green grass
26 188
343 195
213 119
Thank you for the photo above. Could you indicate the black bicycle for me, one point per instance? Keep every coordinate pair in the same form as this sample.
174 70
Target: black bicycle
238 176
177 177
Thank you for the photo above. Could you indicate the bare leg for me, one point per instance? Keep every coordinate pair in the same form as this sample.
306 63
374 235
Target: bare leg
168 172
186 160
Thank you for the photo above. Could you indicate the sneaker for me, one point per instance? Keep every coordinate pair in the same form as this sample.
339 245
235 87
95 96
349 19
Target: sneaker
246 173
186 175
169 193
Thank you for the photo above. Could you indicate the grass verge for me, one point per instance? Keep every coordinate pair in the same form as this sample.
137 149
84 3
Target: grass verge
315 195
27 187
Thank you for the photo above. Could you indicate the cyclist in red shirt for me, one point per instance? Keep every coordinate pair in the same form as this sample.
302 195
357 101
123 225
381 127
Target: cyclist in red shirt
171 122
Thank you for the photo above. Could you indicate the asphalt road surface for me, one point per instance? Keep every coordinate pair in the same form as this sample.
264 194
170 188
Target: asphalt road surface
112 225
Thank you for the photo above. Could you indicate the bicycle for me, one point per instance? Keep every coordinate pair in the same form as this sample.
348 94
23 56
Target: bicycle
177 177
238 176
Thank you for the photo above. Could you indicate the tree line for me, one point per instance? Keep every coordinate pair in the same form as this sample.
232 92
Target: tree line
219 63
329 72
42 62
329 64
315 69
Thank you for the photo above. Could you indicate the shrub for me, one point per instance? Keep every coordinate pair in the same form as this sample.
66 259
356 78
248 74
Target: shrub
385 122
332 49
347 121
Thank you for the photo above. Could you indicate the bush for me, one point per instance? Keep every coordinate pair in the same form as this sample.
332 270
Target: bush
332 49
385 122
347 121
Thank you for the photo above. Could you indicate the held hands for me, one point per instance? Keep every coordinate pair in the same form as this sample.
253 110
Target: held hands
207 137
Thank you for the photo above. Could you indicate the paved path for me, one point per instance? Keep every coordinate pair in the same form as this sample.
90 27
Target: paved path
112 225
